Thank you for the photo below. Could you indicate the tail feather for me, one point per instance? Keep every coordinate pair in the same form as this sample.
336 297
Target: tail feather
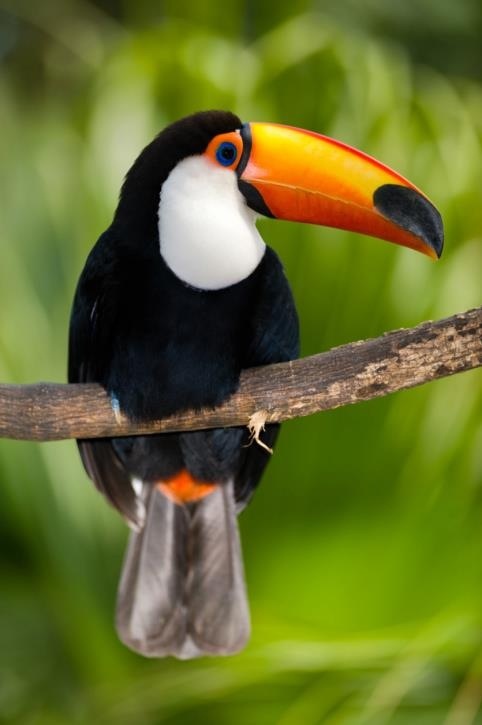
150 602
218 617
182 589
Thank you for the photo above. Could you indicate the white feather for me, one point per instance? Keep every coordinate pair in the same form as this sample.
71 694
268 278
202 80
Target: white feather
137 485
208 234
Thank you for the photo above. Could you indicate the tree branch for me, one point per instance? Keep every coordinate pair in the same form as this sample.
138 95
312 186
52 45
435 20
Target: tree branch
347 374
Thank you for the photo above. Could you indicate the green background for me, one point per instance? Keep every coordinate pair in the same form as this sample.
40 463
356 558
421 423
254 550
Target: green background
363 546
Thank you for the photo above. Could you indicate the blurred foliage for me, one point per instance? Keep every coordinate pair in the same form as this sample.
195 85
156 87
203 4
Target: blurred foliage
363 545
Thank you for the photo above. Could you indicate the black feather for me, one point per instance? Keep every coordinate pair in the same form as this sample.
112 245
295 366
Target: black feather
139 199
160 346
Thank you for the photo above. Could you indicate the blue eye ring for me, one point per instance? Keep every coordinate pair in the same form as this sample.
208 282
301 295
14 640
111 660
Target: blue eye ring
226 153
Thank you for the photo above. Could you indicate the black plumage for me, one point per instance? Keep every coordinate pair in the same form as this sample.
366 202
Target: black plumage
159 346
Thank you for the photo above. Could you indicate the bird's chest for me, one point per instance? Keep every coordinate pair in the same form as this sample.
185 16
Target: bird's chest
177 347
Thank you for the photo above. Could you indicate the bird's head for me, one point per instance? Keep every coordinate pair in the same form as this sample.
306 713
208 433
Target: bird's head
205 179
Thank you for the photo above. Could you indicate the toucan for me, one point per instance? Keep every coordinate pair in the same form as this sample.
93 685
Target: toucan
176 298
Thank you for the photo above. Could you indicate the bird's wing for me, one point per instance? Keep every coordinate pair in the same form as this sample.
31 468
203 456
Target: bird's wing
92 331
93 315
274 338
275 333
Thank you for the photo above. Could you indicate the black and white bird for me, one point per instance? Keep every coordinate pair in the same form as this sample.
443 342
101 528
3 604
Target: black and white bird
176 298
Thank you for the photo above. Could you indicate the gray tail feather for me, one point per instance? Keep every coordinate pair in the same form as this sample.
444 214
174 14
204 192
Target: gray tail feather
182 590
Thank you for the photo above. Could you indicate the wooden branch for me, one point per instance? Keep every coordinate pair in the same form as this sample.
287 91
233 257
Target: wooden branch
347 374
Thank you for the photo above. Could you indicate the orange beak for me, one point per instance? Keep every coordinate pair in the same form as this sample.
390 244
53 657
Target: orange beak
288 173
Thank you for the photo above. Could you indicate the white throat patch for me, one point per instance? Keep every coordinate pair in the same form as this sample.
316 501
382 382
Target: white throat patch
207 233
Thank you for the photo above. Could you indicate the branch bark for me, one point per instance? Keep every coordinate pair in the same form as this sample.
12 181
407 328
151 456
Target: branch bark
344 375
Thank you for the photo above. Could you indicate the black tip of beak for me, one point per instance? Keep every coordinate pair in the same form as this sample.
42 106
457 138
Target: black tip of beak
411 211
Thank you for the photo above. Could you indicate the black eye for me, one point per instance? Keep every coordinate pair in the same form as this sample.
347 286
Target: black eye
226 153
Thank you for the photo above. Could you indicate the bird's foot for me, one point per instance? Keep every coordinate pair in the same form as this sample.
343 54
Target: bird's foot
256 425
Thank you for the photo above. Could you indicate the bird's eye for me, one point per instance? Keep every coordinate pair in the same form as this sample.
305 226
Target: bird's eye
226 153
